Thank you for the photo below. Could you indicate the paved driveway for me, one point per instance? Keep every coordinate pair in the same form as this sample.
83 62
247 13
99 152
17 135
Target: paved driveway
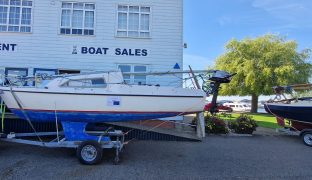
217 157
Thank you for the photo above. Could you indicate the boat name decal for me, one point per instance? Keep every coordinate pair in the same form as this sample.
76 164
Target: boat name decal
113 101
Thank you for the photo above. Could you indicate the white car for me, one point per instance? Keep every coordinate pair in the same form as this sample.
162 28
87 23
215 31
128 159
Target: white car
238 107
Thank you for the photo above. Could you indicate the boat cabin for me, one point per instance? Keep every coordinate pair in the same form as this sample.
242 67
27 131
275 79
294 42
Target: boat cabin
87 80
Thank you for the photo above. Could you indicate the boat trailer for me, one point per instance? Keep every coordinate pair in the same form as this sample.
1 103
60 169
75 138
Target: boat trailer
89 145
305 135
303 130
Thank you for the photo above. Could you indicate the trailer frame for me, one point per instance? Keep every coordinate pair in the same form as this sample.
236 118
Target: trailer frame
104 142
304 134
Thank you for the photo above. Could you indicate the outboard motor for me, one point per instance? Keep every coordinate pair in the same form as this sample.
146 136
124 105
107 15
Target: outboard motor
217 79
221 77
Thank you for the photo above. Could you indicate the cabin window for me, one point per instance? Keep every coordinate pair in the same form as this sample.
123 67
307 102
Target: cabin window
134 78
15 15
77 18
133 21
99 82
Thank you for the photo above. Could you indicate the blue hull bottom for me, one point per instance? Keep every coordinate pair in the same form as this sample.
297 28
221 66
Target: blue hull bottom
94 117
298 113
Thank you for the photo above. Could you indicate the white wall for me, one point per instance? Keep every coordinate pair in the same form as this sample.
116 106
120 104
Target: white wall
46 48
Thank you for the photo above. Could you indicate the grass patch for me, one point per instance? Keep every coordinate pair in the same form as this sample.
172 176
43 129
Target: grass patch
263 120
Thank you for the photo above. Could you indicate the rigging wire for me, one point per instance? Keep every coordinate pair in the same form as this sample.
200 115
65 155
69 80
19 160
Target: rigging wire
25 115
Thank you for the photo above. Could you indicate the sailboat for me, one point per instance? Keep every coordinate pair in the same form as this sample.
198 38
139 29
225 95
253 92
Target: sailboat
100 97
103 97
76 101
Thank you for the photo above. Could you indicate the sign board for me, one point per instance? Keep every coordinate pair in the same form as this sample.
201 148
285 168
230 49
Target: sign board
106 50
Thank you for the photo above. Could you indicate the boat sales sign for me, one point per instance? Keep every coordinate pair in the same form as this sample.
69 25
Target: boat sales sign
7 47
110 51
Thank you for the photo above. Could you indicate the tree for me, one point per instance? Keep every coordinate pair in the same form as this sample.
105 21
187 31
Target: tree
262 63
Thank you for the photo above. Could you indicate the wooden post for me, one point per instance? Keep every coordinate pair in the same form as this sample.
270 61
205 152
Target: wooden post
199 116
200 125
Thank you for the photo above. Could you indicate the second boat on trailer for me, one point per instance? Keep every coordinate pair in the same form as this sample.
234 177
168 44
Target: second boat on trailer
298 111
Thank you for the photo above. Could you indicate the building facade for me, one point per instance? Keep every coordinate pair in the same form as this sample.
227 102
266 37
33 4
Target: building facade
61 36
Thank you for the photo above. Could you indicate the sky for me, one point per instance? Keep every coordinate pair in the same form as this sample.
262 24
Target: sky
210 24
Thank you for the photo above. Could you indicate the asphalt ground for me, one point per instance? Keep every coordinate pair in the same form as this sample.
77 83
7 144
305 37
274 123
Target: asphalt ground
217 157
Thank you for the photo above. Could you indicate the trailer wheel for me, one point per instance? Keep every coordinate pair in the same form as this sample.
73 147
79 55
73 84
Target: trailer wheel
89 152
307 138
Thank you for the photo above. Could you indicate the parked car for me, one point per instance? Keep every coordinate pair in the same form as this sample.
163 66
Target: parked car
220 108
239 107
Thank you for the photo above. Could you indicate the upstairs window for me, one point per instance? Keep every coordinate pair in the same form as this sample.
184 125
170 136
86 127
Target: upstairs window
77 18
15 15
133 21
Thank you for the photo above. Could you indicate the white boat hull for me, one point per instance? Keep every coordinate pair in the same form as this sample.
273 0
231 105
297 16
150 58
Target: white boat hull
98 105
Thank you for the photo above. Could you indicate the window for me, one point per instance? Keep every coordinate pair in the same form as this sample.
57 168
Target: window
14 72
125 68
92 83
13 76
132 78
15 15
43 76
139 79
45 72
64 71
133 21
77 18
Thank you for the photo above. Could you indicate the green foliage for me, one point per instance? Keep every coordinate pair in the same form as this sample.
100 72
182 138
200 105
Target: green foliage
215 125
244 124
262 63
263 120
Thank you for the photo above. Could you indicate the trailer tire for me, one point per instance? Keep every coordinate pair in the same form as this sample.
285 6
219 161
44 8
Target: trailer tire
89 152
307 138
